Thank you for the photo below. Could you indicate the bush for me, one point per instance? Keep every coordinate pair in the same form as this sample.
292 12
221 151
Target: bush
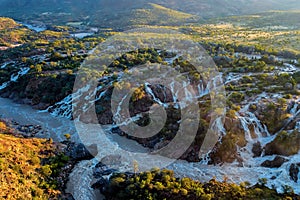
161 184
237 97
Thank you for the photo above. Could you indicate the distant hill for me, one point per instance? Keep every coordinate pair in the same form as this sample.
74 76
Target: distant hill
11 33
267 20
124 13
7 23
220 8
149 14
112 13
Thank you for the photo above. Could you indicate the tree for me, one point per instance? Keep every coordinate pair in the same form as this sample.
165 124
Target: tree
39 68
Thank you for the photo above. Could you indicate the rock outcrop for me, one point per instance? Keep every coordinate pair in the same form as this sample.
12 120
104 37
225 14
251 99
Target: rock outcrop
276 163
294 172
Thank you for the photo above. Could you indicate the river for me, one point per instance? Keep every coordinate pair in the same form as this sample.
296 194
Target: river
108 144
55 127
81 177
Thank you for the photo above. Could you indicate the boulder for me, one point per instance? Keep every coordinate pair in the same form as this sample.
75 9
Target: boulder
162 93
272 114
294 172
276 163
285 144
257 150
100 183
102 170
41 106
226 151
66 196
80 152
28 131
288 86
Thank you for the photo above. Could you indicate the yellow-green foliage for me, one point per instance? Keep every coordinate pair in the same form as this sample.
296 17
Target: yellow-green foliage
11 33
285 144
53 34
272 41
162 184
21 173
158 15
6 23
274 116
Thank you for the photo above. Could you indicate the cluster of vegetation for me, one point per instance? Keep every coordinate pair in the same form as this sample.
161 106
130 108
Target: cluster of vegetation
272 20
159 15
28 167
162 184
285 144
274 115
53 58
12 33
248 86
284 43
107 13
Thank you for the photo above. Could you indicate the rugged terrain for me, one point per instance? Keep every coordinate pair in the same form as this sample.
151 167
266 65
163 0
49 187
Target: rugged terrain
105 13
257 61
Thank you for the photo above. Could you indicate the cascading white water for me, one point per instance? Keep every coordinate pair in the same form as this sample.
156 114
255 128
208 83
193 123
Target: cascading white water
81 177
254 131
14 77
64 107
197 171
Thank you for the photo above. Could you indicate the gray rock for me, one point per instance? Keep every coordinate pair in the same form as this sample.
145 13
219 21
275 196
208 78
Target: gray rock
257 150
102 170
100 184
276 163
294 171
81 152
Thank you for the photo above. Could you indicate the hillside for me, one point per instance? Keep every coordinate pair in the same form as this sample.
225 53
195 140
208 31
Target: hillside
11 33
123 13
159 15
220 8
150 14
22 174
274 20
6 23
239 142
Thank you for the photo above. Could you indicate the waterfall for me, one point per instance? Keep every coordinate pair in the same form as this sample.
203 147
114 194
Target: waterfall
14 77
82 177
155 99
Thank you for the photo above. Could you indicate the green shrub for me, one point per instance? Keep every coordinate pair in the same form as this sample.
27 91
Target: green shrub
161 184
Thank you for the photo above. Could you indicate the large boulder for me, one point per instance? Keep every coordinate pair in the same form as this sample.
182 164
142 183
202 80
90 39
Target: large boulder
257 150
272 114
285 144
80 152
227 150
294 172
276 163
101 170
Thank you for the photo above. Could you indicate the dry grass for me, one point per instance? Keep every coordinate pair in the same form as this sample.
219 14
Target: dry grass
279 40
21 174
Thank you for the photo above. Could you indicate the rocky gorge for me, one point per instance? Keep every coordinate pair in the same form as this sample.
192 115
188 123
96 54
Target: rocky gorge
248 144
258 135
